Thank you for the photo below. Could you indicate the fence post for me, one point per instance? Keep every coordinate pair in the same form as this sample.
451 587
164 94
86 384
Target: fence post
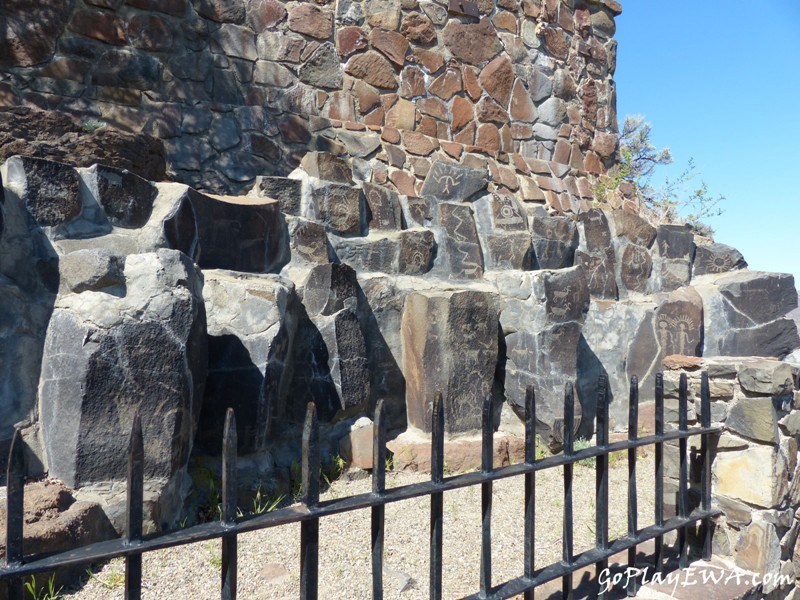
229 488
15 518
633 500
530 486
135 501
487 452
566 544
378 487
309 529
437 498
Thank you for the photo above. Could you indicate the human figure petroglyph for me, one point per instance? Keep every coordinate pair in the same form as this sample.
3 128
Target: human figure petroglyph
664 335
448 180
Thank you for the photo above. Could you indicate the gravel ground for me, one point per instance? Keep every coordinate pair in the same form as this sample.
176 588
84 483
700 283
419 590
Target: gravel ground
269 560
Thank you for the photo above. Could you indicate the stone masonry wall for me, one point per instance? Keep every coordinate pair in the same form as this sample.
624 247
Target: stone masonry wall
242 88
755 478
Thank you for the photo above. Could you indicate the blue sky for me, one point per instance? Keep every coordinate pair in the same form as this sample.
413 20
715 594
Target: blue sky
720 83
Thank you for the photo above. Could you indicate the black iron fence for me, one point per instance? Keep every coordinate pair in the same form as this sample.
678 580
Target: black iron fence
311 509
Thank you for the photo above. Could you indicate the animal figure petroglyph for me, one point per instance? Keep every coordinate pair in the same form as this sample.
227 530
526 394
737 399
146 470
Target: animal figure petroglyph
561 311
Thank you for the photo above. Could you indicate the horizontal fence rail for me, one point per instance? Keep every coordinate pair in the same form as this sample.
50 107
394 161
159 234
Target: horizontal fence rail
309 512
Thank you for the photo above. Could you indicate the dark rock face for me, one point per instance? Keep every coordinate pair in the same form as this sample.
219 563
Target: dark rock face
417 252
450 345
251 329
717 258
675 241
463 246
675 327
241 234
449 181
637 264
126 198
384 207
286 191
329 289
338 207
51 190
596 254
55 136
554 241
748 317
99 370
634 228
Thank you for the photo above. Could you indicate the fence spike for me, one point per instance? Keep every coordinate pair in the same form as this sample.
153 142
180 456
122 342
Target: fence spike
530 486
378 487
437 498
487 450
633 501
135 504
229 488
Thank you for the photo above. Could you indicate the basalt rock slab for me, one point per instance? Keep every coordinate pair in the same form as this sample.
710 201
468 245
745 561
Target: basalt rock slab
555 240
450 344
634 228
675 241
288 192
507 214
417 251
50 190
326 166
596 253
542 332
636 267
384 207
329 289
251 327
308 241
509 251
126 198
240 233
450 181
464 253
99 368
746 315
675 327
335 376
338 207
717 258
376 253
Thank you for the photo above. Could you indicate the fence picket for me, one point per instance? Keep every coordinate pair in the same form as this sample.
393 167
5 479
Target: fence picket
487 451
15 506
567 533
705 451
133 545
378 487
633 502
229 487
601 476
683 480
135 505
309 529
530 487
658 556
437 498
